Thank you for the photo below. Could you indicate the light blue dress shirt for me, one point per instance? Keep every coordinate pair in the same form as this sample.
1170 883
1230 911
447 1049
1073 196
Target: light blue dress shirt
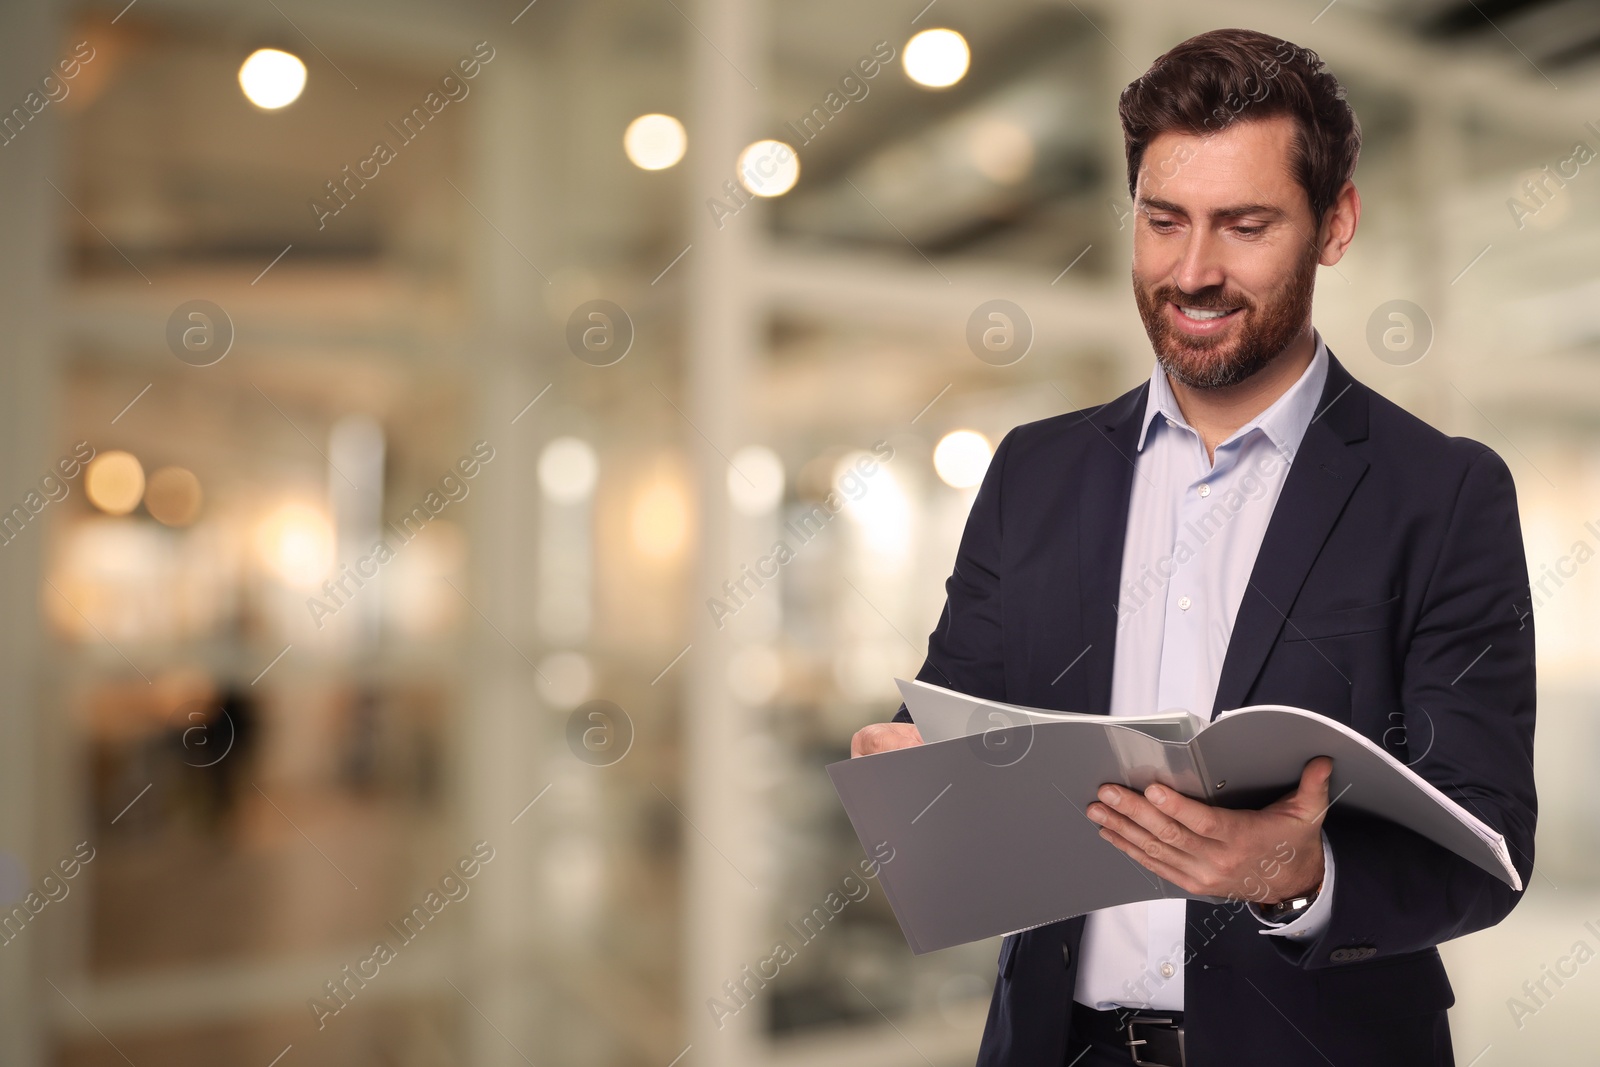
1194 528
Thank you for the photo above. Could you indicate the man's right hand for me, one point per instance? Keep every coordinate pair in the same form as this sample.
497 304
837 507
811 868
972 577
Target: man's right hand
884 737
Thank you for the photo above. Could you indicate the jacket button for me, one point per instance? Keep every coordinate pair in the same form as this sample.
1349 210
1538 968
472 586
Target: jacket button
1066 954
1352 953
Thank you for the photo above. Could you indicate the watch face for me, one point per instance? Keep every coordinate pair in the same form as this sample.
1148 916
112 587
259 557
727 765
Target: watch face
1282 908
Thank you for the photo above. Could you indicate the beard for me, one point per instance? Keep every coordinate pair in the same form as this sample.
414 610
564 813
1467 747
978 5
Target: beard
1225 359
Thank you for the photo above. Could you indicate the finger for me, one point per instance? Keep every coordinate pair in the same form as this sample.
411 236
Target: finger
1150 863
1201 819
1137 807
1313 791
1169 849
884 737
867 740
1309 799
1316 773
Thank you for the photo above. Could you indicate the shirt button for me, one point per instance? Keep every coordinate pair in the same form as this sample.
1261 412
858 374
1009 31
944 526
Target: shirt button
1183 603
1205 490
1168 970
1171 423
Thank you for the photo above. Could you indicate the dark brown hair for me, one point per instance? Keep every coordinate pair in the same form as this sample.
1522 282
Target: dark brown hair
1215 79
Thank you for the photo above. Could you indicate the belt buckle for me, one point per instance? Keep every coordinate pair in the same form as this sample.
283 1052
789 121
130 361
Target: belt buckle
1136 1043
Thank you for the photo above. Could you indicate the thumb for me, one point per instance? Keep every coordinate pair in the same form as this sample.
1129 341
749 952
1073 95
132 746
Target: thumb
1312 796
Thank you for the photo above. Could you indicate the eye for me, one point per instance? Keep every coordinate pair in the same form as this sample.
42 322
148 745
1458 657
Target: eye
1160 225
1248 231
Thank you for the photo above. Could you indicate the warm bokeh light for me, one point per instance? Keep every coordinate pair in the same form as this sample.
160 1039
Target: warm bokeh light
272 79
755 480
114 482
567 470
660 520
768 168
173 496
1002 151
296 543
654 142
877 503
961 457
937 59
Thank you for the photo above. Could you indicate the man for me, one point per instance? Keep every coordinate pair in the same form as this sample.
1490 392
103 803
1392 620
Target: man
1250 526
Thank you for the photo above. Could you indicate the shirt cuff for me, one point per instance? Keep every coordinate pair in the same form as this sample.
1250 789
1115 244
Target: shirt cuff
1314 919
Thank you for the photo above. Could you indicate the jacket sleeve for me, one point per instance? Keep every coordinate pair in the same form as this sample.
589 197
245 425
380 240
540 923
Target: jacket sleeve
965 648
1467 690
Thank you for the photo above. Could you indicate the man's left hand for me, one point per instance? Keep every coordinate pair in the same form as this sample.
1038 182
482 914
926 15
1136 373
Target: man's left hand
1263 856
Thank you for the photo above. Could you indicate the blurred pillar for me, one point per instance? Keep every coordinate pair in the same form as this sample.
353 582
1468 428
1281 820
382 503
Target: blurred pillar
723 913
501 762
30 234
1438 161
1133 41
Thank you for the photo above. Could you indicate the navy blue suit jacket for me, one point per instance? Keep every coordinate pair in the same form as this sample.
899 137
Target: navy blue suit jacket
1391 594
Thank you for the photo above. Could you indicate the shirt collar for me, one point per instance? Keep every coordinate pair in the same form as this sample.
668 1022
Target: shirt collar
1284 422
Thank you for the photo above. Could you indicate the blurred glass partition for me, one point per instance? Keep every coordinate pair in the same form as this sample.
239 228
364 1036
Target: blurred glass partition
473 466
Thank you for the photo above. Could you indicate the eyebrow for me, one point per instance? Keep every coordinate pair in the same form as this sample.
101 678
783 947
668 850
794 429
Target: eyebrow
1231 212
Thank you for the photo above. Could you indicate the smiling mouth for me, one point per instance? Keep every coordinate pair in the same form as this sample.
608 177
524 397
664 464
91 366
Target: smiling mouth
1204 314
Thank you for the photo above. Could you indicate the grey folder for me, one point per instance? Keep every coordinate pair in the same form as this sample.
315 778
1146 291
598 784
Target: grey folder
987 818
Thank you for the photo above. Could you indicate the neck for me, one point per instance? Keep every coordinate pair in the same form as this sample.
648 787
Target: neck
1216 413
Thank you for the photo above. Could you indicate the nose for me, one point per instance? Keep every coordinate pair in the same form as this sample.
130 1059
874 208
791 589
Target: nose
1200 265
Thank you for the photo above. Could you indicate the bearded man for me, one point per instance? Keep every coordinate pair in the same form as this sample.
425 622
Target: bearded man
1250 526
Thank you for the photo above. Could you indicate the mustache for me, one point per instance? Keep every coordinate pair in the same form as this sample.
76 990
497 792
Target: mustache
1205 300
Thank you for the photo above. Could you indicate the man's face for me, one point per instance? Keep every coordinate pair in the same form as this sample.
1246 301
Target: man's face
1222 227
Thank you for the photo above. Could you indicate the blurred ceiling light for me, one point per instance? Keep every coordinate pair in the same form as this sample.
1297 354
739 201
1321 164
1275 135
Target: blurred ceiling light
768 168
173 496
568 470
654 142
296 543
114 482
1001 150
961 457
272 79
937 59
660 520
755 480
877 503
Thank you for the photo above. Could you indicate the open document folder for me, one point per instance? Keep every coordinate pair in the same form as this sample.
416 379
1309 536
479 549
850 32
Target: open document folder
987 819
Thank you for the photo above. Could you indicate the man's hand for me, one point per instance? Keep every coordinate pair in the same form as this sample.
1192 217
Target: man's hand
1263 856
884 736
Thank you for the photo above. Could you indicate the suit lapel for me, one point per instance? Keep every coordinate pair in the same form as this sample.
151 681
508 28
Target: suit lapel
1102 526
1324 474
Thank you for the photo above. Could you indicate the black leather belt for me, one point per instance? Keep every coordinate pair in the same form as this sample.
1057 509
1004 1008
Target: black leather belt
1151 1038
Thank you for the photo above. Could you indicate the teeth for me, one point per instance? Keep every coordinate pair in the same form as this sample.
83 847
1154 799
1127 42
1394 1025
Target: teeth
1202 313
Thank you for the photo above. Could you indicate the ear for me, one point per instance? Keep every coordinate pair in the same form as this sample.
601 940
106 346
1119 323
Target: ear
1339 225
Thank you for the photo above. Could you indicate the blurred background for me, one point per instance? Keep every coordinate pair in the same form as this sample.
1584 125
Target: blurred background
403 404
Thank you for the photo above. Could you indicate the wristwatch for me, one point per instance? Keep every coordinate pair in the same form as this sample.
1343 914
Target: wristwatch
1284 911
